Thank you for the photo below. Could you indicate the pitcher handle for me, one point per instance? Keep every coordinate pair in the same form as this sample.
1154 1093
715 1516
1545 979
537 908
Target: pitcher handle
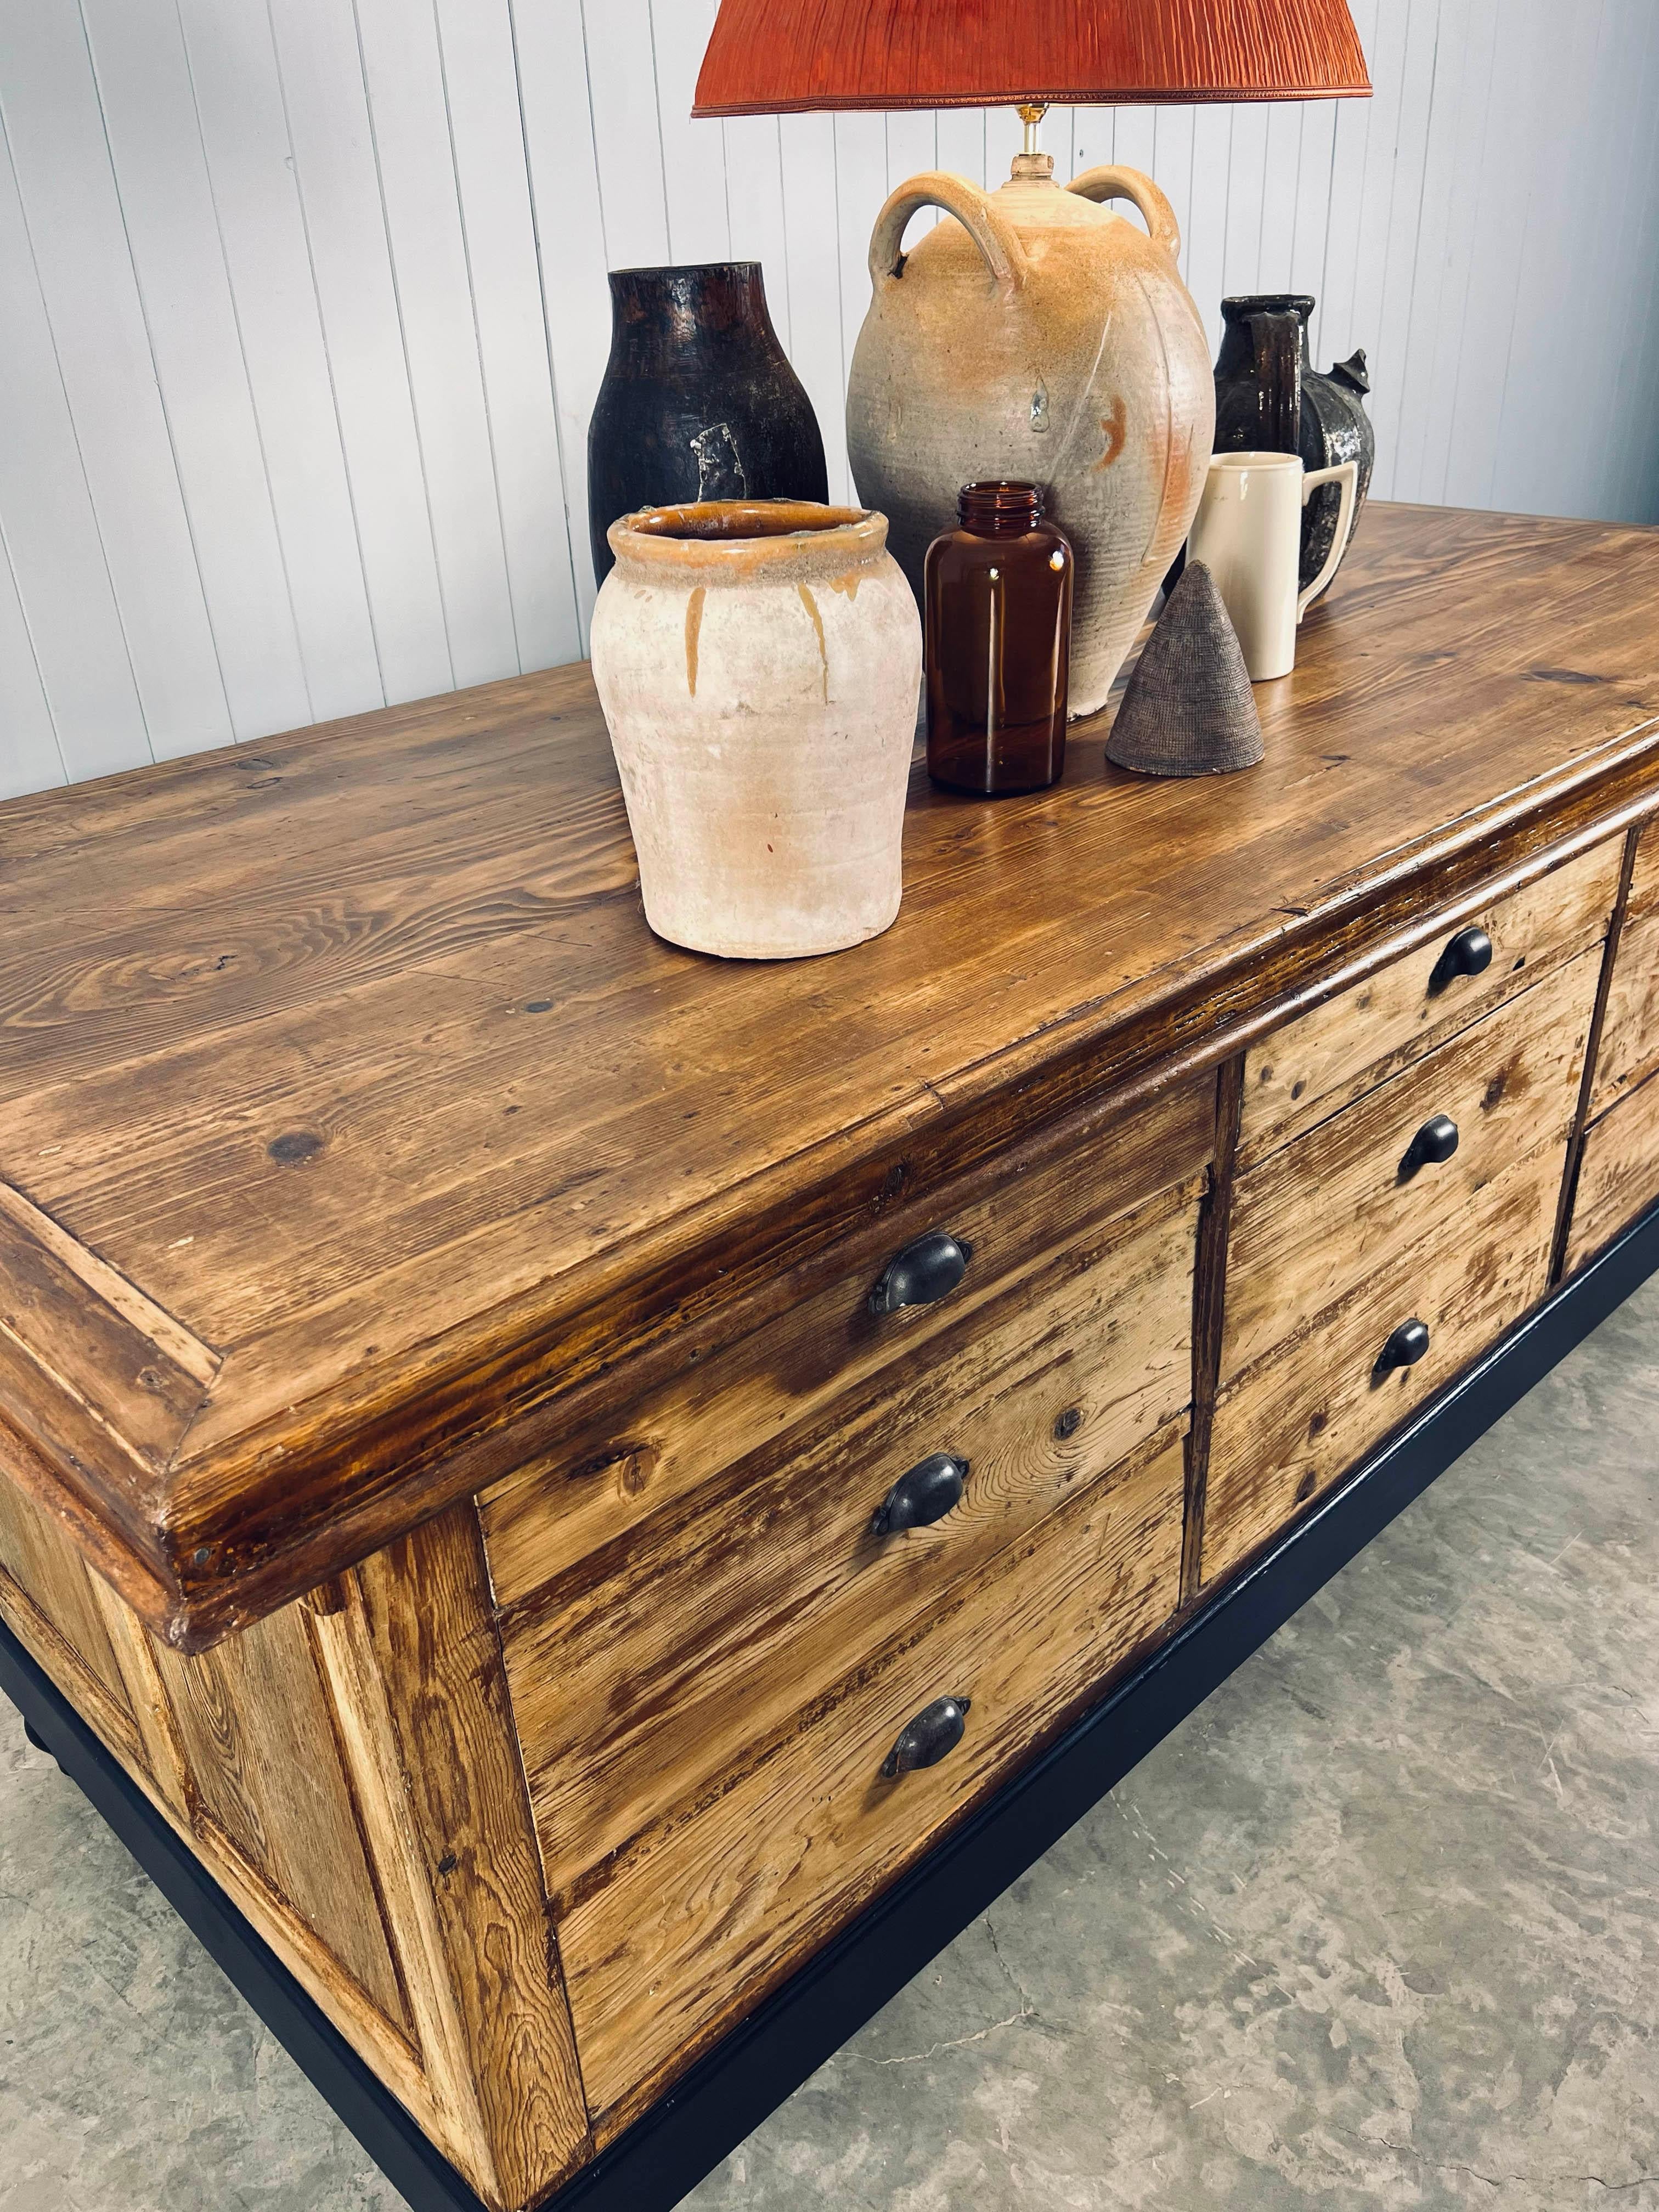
988 227
1347 473
1109 182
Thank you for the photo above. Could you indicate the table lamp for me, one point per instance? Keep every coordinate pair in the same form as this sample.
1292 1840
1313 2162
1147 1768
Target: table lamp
1039 336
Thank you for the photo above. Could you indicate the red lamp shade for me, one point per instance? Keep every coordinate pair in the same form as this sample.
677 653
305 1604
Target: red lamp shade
768 57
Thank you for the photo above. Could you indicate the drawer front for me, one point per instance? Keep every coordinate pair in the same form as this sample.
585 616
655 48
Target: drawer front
1629 1050
706 1913
1321 1062
657 1660
1300 1418
730 1399
1617 1173
1314 1219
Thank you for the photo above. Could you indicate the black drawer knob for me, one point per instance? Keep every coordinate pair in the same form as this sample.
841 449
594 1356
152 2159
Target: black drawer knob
1408 1343
922 1273
931 1489
1468 953
1433 1145
937 1729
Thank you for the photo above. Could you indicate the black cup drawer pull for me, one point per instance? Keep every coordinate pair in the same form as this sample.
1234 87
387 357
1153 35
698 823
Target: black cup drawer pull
1408 1343
1433 1146
1468 953
936 1731
930 1489
922 1273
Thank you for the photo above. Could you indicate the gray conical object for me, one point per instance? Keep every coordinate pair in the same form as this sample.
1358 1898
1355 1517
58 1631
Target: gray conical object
1188 709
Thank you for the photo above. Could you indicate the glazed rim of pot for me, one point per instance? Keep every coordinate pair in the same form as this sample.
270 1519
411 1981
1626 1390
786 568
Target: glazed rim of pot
761 532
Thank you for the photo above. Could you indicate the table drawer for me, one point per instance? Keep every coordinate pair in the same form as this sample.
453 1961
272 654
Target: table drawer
702 1915
731 1396
651 1664
1324 1059
1301 1417
1629 1051
1617 1173
1319 1216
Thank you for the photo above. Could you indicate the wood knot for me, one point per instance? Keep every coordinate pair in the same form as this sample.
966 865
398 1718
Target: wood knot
294 1145
1068 1424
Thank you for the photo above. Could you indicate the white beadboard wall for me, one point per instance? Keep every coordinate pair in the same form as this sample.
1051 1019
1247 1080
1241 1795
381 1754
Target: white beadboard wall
303 309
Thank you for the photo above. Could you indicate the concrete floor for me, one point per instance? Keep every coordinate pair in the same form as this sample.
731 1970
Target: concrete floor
1379 1926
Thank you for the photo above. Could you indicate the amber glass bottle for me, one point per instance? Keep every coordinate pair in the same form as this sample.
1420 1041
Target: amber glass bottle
998 633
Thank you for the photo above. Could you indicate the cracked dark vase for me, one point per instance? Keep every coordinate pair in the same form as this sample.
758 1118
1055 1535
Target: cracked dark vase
1270 399
698 401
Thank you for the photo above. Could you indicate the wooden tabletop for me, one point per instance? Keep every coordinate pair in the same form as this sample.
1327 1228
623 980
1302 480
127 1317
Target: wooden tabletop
350 1109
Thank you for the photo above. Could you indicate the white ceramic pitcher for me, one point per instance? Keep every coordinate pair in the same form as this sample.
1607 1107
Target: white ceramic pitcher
1248 532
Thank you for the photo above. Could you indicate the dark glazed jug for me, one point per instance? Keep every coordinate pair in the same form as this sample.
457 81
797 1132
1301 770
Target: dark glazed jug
1268 399
698 401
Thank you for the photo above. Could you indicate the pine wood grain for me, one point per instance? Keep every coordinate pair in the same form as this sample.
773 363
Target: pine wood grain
41 1638
418 1669
1629 1051
1318 1216
1617 1173
270 1050
650 1667
43 1560
1290 1425
1314 1065
258 1736
725 1400
699 1918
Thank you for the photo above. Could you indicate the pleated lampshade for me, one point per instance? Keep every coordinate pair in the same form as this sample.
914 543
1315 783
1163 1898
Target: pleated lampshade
770 56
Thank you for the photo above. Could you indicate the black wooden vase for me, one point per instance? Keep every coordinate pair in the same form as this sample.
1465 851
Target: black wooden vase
698 401
1269 399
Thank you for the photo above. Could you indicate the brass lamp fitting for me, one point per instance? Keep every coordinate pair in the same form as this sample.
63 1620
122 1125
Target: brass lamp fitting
1032 112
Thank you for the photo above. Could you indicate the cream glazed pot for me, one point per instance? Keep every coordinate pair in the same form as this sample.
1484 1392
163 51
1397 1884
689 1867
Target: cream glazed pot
759 664
1040 337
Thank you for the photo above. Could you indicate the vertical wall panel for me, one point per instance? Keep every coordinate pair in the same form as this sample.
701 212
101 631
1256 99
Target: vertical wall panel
29 758
149 115
414 162
486 133
1332 335
860 161
564 191
693 154
1525 52
754 169
306 308
74 637
243 130
622 80
326 103
49 101
1451 191
1629 455
809 214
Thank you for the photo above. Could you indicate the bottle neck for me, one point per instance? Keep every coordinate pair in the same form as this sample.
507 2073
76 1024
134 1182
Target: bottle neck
663 319
999 510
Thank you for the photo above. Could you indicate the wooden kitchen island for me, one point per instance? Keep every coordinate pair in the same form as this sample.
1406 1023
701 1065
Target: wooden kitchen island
582 1508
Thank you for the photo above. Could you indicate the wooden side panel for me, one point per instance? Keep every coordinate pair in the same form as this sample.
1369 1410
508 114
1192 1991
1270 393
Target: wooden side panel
1629 1050
46 1565
417 1671
705 1913
651 1665
41 1639
731 1399
1302 1416
1617 1173
258 1738
1320 1216
1323 1061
